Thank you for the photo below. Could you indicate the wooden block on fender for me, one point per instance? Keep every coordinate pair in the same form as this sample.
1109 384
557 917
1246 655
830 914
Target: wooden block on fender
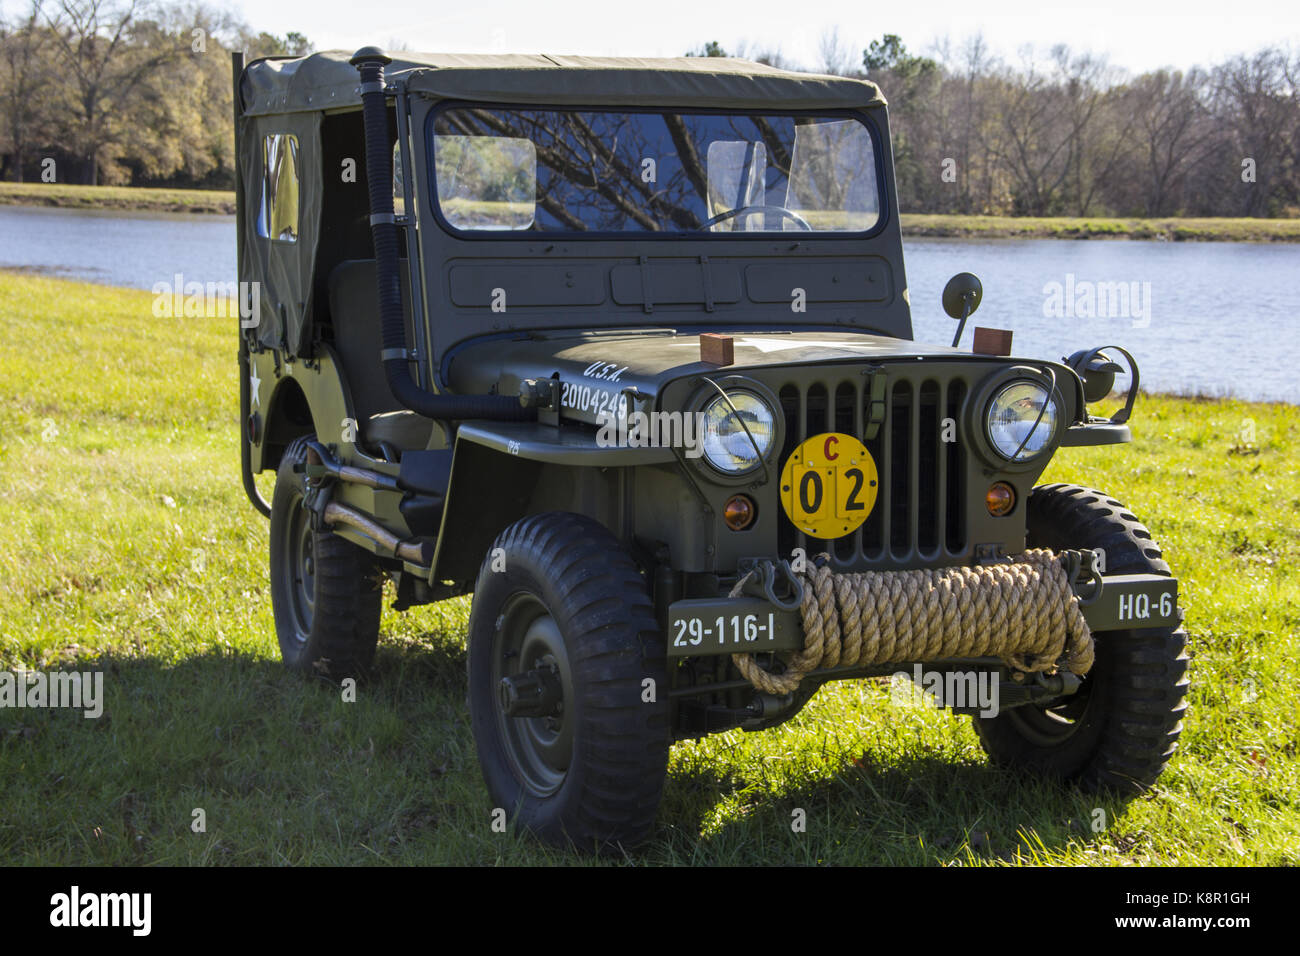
717 349
992 341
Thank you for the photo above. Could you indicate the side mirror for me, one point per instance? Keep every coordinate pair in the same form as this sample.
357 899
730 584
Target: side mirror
961 297
962 294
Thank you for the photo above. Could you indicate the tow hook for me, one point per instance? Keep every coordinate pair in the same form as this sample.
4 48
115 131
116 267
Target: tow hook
1085 576
767 577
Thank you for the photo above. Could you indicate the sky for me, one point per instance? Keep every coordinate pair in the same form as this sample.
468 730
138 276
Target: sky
1135 34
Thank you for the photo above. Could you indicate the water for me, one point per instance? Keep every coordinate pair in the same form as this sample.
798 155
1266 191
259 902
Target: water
1220 317
118 248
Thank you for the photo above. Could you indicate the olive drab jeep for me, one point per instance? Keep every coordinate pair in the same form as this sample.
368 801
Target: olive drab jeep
623 347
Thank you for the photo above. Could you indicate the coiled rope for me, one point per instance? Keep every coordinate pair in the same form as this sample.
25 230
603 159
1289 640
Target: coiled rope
1023 612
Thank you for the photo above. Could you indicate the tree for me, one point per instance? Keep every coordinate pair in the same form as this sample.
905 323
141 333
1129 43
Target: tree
1169 138
712 48
268 44
888 54
913 85
24 85
108 71
1257 114
835 56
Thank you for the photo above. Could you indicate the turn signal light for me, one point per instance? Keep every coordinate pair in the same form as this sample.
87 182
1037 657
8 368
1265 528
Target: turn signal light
738 512
1000 499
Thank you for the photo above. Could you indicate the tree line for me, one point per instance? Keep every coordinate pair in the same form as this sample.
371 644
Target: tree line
132 92
122 92
1066 134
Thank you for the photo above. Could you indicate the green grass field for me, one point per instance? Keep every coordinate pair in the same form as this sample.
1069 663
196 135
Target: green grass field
914 224
128 546
117 197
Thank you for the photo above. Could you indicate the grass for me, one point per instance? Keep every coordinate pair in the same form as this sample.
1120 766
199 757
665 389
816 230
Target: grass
914 224
132 198
129 547
1069 227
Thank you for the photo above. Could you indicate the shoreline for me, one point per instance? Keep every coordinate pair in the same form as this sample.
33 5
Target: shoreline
36 274
118 198
1166 229
914 225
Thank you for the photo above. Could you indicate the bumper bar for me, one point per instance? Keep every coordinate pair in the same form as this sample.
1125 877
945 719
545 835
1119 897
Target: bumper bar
700 627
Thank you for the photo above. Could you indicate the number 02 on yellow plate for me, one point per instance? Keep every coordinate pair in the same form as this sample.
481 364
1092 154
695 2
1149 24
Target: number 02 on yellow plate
829 485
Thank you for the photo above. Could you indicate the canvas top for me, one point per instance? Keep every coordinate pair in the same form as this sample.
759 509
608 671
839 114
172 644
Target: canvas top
326 81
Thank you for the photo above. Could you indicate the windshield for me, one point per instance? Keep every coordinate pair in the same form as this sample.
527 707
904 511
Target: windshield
522 170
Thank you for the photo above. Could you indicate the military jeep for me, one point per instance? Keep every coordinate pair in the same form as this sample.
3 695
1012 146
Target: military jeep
623 348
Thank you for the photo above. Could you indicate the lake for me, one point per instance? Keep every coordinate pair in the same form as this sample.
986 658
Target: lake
1215 317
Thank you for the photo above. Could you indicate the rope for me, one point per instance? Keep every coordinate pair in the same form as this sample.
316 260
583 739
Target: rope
1024 613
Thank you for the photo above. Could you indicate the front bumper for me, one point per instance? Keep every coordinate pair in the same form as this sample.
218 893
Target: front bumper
700 627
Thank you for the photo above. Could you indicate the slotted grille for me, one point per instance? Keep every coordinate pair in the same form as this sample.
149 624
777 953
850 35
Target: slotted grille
919 514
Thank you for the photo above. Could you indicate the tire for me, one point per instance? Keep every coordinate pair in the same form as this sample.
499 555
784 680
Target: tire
326 592
1120 728
569 600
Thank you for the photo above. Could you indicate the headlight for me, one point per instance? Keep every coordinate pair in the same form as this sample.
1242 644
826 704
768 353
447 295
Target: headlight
726 445
1014 423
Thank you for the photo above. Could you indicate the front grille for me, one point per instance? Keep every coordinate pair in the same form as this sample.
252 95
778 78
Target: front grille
919 516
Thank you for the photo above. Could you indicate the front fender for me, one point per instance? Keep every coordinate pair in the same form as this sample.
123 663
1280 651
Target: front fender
494 472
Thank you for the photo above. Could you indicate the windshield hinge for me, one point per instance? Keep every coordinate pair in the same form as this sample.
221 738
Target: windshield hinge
707 275
647 302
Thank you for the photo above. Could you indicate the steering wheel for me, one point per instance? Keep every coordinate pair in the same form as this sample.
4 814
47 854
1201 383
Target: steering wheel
798 220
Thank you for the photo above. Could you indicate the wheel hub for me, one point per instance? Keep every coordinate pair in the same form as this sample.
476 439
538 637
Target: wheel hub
534 693
302 594
534 682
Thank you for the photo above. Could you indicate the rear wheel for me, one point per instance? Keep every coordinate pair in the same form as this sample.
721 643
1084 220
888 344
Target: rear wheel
1120 728
566 684
326 592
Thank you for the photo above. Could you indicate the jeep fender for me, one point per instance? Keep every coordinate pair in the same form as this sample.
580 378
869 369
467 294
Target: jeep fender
495 472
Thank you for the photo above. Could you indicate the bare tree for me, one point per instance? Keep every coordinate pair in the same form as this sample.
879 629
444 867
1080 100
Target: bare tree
768 56
834 55
1168 133
1047 115
1255 108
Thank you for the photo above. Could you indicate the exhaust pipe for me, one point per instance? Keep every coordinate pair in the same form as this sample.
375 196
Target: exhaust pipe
370 62
406 550
321 463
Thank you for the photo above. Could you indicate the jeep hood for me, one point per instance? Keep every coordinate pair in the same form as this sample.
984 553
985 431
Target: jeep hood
601 364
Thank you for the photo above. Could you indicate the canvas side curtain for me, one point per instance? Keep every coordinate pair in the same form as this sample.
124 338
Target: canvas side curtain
279 159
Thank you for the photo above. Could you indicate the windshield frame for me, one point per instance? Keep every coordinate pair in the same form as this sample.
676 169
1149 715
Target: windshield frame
883 187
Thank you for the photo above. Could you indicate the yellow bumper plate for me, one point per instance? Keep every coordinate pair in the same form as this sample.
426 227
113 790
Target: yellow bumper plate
829 485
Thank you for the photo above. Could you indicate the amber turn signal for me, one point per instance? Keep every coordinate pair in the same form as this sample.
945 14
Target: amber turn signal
738 512
1001 498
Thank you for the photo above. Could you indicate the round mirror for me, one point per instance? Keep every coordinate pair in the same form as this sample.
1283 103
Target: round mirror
962 294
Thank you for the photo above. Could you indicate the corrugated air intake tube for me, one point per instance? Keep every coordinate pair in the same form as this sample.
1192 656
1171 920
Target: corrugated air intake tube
370 62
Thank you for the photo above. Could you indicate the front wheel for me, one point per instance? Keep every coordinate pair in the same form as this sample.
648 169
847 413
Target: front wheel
567 689
1120 728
